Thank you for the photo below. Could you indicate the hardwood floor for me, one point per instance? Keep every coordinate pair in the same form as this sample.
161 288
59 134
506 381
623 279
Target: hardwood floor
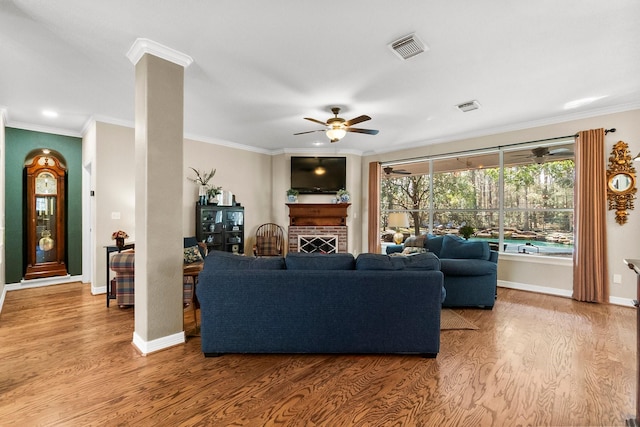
66 359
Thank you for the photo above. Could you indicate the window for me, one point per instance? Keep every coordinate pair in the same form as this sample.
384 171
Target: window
531 212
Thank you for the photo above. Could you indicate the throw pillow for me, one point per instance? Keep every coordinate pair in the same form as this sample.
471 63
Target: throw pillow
267 245
415 241
413 250
455 247
192 254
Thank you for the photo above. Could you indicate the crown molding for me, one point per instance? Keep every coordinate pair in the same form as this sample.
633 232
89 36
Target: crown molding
142 46
40 128
620 108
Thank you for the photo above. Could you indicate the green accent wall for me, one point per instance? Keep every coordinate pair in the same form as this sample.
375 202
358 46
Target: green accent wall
19 143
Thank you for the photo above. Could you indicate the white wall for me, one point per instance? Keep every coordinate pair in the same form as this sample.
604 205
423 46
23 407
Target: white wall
556 275
247 174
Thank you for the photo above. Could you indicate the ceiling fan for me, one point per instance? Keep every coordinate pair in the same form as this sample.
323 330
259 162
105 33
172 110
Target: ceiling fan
540 154
389 170
337 127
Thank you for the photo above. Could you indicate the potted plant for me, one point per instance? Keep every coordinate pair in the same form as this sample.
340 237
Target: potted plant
119 237
343 196
202 179
466 231
212 192
292 195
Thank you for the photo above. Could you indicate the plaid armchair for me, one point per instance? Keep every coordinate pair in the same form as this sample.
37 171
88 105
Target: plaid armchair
123 264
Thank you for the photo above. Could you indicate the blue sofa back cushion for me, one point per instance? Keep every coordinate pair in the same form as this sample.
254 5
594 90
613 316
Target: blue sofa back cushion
458 248
319 261
220 260
434 243
369 261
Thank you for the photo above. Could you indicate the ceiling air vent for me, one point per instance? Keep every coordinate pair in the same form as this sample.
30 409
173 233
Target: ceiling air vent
469 106
408 46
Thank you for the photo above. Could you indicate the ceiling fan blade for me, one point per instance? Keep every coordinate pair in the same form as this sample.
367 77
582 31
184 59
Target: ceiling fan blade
309 131
389 170
367 131
357 120
316 121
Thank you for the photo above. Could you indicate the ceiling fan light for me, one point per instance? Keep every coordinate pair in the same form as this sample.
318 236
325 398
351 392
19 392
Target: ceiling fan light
336 134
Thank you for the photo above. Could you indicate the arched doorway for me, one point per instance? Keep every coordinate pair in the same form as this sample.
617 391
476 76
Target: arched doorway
46 214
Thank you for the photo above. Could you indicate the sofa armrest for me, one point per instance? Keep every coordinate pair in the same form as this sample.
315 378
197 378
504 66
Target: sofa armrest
493 256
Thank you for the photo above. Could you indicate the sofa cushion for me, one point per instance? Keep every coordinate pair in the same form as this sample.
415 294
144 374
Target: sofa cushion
423 261
192 254
368 261
319 261
458 248
467 267
434 243
219 260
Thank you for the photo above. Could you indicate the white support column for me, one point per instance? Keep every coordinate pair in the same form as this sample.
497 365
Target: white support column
159 135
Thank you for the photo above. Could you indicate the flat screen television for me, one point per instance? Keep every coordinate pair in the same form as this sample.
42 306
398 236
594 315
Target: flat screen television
318 175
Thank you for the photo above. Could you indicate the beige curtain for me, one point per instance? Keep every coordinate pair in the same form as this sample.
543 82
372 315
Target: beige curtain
590 271
374 207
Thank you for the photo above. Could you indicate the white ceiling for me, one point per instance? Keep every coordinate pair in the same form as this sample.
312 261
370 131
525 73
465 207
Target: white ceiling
261 66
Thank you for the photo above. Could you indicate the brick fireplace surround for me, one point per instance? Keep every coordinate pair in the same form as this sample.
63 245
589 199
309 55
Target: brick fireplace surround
318 220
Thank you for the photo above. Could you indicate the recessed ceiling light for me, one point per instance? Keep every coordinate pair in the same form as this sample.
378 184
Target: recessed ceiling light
49 113
318 143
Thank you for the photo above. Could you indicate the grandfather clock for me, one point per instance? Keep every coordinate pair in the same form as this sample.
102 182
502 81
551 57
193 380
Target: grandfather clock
45 221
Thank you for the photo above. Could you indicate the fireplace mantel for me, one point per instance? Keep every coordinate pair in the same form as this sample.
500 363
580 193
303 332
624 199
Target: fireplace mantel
301 214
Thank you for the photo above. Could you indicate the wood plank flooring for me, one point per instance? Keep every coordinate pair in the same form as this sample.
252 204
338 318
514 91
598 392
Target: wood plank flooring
537 360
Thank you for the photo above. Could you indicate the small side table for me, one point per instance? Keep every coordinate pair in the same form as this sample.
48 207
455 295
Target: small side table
634 264
193 270
110 249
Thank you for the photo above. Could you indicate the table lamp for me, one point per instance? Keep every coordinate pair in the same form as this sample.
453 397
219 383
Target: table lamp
397 220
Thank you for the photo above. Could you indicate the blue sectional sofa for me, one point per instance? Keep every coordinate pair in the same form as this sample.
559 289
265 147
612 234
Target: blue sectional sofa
320 303
470 268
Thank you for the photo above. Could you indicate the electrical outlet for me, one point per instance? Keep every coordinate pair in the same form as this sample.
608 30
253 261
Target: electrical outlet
115 215
617 278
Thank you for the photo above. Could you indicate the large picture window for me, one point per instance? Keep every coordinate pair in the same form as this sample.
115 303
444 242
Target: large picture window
519 198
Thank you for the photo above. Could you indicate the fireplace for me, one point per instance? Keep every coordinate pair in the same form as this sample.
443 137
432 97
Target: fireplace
318 227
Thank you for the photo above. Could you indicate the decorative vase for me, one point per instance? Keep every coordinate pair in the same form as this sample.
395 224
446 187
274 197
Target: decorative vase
120 242
345 198
202 193
292 198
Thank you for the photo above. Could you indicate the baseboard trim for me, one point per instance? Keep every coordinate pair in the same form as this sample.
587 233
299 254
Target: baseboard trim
2 295
98 290
555 291
47 281
146 347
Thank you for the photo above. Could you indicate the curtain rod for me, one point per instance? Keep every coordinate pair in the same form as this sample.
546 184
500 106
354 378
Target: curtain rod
416 159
